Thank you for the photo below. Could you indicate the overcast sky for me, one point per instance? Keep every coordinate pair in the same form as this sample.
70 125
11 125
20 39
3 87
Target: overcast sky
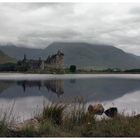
39 24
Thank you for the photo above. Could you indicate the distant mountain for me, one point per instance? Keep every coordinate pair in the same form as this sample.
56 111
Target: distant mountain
87 55
18 52
5 58
80 54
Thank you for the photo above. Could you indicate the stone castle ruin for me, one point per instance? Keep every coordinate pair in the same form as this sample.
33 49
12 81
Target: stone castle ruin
53 61
56 60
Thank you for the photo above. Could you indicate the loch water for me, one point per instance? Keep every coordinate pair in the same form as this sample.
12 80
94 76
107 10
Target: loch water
26 95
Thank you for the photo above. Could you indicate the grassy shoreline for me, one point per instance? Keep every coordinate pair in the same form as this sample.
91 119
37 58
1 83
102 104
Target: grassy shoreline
11 72
78 71
53 122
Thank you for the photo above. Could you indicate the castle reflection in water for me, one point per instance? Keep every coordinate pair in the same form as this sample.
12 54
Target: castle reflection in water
56 86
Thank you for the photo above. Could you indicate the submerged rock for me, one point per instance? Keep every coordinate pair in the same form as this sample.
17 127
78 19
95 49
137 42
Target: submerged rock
111 112
96 109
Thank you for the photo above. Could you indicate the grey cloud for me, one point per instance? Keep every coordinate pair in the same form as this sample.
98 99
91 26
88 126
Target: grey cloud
45 38
66 33
38 24
135 10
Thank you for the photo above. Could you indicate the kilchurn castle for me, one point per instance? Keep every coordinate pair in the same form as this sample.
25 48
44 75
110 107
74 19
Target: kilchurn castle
53 61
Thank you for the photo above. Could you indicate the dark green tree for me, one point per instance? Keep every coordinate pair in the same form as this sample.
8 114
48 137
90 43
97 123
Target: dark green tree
22 66
72 68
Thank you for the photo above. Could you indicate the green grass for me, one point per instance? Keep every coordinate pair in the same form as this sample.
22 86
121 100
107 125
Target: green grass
54 113
3 128
54 122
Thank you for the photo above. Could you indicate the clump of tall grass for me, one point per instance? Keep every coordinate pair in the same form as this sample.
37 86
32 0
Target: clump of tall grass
6 119
77 118
3 126
54 113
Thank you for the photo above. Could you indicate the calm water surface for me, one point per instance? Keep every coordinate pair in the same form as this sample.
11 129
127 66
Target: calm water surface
26 94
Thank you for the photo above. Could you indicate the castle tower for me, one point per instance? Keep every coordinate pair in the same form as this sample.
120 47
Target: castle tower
41 64
40 59
56 60
24 59
60 59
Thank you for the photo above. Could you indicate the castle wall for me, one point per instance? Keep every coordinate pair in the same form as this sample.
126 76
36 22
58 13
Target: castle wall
56 61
